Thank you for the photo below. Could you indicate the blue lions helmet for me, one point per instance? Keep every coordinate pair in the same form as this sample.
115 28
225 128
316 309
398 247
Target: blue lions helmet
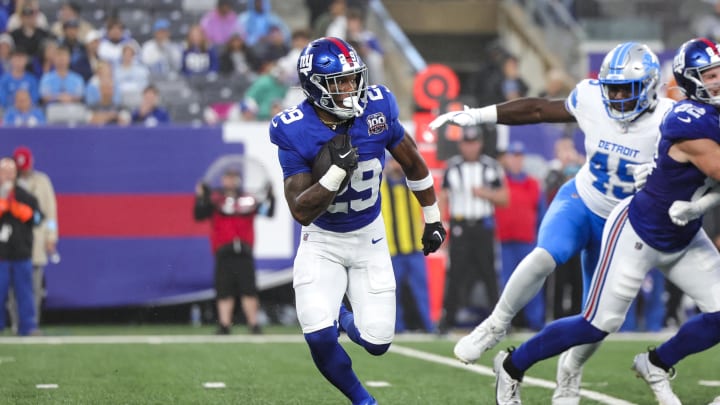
692 59
320 67
634 68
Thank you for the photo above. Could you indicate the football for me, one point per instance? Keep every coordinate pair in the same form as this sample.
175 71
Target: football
322 161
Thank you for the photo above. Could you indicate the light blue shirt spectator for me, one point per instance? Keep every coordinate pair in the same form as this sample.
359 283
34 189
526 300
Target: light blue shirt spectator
9 85
53 85
16 118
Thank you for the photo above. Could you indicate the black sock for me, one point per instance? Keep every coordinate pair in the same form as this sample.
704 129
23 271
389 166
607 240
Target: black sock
514 372
655 360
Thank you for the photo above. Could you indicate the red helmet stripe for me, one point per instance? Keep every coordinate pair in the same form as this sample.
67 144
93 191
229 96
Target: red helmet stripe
711 44
345 51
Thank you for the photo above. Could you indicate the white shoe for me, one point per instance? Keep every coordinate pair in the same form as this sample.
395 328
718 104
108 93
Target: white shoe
715 401
657 378
507 389
567 391
483 338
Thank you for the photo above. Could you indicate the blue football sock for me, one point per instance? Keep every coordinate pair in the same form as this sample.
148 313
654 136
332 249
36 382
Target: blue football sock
699 333
334 363
554 339
347 323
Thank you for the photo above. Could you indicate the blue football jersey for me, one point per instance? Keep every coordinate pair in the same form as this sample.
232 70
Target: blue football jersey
299 134
671 181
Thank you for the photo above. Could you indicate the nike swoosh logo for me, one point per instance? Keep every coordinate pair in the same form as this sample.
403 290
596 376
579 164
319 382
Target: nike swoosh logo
685 120
437 233
274 123
343 156
374 241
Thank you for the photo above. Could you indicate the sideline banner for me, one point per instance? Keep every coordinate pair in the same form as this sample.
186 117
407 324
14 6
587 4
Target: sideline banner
125 199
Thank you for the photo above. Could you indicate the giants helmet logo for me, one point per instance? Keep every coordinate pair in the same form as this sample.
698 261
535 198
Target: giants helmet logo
305 64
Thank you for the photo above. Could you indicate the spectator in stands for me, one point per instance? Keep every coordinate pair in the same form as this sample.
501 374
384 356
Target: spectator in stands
46 62
29 36
236 58
45 235
107 111
272 46
265 95
26 8
103 73
62 85
220 23
149 113
131 76
7 45
232 212
517 225
18 214
160 54
23 113
111 44
513 85
70 13
256 23
79 61
333 22
198 58
17 78
367 44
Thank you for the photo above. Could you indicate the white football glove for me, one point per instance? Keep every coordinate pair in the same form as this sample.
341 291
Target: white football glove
467 117
640 173
463 118
682 212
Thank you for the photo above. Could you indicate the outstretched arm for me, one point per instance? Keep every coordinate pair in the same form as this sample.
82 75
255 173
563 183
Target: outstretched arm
420 181
529 110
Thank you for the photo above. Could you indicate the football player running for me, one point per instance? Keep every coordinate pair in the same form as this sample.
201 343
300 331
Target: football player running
620 114
343 250
642 233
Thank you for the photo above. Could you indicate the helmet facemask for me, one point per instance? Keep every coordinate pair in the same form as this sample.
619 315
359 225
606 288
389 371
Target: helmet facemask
627 108
353 102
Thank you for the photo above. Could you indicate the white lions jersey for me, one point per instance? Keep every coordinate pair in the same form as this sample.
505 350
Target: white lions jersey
604 179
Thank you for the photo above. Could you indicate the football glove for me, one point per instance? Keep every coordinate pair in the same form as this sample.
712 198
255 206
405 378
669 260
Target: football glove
344 156
682 212
640 173
433 236
467 117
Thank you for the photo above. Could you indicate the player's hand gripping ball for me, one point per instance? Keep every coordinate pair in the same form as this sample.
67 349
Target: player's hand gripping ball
337 151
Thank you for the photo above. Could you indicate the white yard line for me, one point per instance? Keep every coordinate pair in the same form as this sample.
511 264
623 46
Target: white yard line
487 371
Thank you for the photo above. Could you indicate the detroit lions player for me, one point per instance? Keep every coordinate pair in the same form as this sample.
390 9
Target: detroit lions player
640 235
620 114
343 250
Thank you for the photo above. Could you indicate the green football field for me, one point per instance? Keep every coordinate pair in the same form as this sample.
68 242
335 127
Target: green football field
170 365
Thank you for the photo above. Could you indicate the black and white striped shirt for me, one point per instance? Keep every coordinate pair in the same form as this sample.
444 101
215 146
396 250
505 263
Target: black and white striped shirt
460 179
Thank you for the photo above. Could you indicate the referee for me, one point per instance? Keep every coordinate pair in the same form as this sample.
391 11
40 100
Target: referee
473 185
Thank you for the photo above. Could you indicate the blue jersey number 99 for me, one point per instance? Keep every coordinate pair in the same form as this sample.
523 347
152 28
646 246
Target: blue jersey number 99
620 177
